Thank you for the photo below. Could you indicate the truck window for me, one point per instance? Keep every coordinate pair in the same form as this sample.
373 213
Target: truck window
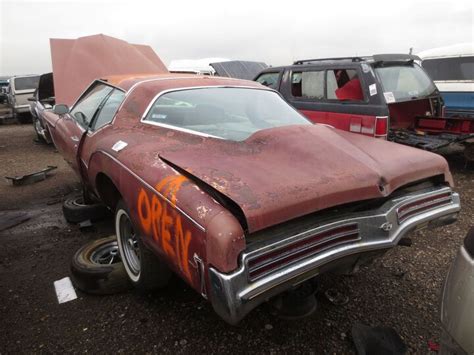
308 84
344 84
461 68
269 79
405 82
26 82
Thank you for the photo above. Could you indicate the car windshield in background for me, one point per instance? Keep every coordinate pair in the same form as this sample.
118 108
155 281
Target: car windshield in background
269 79
26 83
408 82
228 113
460 68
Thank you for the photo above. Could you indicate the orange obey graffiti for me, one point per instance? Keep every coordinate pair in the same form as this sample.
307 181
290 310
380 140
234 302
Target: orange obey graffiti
163 225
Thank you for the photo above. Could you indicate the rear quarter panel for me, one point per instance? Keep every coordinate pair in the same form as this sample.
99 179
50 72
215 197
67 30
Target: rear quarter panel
170 211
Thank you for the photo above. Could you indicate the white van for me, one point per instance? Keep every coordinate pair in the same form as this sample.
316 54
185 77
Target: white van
452 70
19 90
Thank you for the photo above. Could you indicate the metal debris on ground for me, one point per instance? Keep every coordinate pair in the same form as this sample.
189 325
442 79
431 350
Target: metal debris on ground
85 225
377 340
336 297
30 178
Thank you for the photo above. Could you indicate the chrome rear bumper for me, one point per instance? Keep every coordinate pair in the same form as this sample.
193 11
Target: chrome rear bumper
236 294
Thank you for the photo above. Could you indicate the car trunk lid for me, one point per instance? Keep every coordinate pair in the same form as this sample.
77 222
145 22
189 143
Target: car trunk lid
283 173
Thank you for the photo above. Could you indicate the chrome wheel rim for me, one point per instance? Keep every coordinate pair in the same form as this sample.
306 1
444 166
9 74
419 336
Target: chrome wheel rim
106 254
128 245
38 127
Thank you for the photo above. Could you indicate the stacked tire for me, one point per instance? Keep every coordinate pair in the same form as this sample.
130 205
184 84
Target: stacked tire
76 211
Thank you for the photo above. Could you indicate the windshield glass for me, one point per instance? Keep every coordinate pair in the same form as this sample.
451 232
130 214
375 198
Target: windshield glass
461 68
408 82
229 113
26 83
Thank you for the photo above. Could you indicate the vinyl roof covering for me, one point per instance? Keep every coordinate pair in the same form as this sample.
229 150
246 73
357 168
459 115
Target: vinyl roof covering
239 69
77 62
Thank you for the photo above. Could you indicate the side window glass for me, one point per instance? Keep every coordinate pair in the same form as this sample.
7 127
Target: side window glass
109 109
84 111
308 84
269 79
344 84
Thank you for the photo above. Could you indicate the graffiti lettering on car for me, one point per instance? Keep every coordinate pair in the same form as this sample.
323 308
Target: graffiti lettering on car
164 224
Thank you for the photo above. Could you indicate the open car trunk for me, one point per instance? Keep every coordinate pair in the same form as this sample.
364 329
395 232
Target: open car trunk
420 123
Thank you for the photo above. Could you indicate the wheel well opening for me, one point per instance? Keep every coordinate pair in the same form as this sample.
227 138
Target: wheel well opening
108 192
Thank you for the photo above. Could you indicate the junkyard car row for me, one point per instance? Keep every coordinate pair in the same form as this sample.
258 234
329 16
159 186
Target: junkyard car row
229 184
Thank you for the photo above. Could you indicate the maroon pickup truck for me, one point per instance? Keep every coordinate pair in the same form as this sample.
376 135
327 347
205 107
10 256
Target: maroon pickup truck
223 183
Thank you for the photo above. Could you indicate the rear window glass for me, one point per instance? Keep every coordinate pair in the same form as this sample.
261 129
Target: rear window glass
402 83
227 113
461 68
26 83
269 79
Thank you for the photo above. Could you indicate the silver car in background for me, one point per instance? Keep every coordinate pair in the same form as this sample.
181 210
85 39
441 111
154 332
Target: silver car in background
457 306
19 90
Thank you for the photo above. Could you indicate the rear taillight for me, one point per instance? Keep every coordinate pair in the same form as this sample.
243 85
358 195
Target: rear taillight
299 249
420 206
381 126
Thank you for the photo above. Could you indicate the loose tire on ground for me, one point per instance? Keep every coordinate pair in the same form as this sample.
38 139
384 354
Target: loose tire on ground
76 211
96 268
144 269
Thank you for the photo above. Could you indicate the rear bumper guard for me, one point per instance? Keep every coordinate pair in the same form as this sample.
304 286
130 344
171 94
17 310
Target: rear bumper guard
236 294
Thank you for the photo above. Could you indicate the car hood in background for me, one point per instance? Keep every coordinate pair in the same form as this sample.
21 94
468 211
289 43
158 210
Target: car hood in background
238 69
283 173
77 62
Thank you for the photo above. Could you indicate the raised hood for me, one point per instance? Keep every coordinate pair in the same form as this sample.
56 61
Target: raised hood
287 172
77 62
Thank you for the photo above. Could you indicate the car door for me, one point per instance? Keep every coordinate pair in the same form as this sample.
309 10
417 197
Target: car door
71 127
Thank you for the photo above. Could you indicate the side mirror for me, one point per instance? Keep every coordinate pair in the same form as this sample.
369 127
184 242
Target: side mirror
60 109
31 99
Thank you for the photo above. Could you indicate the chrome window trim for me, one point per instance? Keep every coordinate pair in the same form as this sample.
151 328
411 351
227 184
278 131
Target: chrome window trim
134 86
187 130
88 87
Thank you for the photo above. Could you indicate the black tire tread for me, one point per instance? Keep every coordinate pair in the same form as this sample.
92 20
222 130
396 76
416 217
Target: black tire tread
77 214
96 278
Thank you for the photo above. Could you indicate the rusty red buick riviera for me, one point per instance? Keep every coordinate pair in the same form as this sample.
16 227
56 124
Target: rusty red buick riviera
223 183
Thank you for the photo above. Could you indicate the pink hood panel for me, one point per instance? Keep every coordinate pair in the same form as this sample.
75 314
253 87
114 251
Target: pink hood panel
78 62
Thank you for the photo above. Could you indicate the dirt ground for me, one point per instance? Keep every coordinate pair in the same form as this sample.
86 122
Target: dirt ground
401 290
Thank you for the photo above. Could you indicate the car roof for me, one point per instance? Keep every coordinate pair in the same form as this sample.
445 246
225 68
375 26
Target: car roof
455 50
128 82
376 58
